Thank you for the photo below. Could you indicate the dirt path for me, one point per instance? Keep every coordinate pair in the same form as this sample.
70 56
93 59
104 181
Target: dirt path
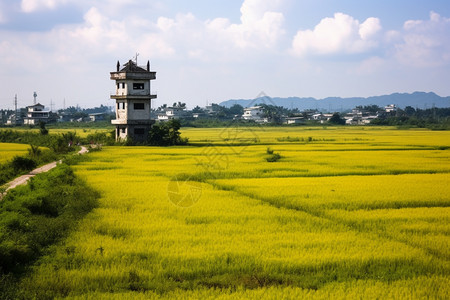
45 168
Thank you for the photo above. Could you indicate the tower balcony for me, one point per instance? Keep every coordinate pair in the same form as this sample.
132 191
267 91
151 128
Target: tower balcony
132 122
133 75
133 97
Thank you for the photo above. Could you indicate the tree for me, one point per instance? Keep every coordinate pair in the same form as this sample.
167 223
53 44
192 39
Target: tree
236 109
336 119
34 151
166 134
197 109
42 130
410 111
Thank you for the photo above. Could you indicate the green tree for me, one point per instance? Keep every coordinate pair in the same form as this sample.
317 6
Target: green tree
166 134
42 130
336 119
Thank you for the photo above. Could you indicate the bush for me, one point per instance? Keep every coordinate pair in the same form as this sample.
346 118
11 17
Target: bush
42 129
20 163
336 119
101 138
274 157
166 134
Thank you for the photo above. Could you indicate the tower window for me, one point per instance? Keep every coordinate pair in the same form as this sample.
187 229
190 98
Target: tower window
139 106
138 86
123 130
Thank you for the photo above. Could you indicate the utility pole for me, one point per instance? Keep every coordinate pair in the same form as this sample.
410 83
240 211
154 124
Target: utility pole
51 105
34 96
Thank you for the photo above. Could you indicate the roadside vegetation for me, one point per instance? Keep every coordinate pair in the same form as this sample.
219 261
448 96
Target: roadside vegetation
16 162
35 217
347 212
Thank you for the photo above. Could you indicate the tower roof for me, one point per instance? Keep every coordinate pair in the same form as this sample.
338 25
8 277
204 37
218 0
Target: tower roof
132 71
131 66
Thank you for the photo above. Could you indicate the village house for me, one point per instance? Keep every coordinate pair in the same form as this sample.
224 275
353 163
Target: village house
254 113
294 120
390 108
170 113
36 114
95 117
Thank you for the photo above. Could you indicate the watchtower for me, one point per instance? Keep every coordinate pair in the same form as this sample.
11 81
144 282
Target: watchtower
133 101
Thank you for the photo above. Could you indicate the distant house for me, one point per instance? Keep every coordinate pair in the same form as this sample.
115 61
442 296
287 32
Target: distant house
254 113
390 108
199 115
171 113
35 114
95 117
12 121
295 120
318 117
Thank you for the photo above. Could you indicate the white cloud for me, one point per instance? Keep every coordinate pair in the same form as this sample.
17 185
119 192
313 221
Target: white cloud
425 43
105 32
29 6
254 10
341 34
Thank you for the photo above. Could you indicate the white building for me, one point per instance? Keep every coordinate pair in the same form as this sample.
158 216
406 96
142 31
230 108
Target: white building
11 121
171 113
390 108
95 117
295 120
133 101
35 114
255 113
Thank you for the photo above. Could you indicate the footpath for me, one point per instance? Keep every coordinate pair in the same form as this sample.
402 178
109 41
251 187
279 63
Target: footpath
45 168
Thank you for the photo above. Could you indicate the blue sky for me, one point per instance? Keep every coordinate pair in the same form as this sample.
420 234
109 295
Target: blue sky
210 51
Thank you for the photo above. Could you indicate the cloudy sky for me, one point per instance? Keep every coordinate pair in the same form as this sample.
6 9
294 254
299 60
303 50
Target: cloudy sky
214 50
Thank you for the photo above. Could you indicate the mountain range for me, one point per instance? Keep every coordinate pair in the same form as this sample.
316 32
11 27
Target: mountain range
420 100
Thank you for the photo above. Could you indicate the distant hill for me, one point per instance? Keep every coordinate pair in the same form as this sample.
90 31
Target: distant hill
417 100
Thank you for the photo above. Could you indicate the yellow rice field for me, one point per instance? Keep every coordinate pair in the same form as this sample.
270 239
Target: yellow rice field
347 212
9 150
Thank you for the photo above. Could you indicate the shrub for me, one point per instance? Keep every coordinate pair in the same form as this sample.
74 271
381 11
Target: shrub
166 134
42 130
20 163
274 157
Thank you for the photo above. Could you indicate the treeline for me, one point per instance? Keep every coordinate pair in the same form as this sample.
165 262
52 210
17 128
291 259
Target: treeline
434 118
161 134
36 216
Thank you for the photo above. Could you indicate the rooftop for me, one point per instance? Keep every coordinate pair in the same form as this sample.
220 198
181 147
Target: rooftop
131 66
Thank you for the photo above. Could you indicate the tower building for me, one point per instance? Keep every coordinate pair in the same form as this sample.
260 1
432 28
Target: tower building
133 101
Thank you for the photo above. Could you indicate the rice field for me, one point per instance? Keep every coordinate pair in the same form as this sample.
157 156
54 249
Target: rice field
9 150
80 131
347 212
